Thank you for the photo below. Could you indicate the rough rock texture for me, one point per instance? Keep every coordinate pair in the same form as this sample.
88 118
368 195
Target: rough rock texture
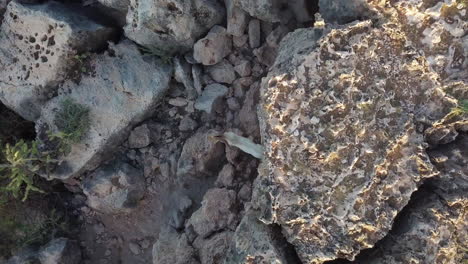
216 213
344 11
255 242
214 47
210 96
222 72
171 25
119 5
343 150
173 248
278 10
3 5
237 18
114 188
37 48
139 137
121 93
213 250
60 250
200 155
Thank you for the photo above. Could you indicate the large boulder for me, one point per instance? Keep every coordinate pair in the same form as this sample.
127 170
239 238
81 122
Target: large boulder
344 152
114 188
38 45
171 26
123 91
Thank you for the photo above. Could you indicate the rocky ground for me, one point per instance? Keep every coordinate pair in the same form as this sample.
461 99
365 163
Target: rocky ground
242 131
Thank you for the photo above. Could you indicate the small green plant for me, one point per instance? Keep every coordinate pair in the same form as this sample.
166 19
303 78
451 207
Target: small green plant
23 161
80 59
461 109
72 121
154 51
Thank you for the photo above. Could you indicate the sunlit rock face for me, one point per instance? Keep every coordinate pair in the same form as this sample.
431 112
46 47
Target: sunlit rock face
343 119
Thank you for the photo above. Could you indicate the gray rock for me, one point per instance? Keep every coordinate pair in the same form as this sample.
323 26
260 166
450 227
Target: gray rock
237 18
119 5
255 240
110 95
114 188
37 48
213 48
26 255
245 193
172 248
172 26
343 11
239 42
139 137
197 73
183 74
279 10
210 94
213 250
222 72
179 214
134 248
233 104
247 118
254 33
187 124
226 176
359 171
201 156
244 68
216 213
3 6
60 250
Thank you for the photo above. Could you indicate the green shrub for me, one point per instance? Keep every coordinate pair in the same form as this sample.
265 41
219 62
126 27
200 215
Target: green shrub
23 161
72 121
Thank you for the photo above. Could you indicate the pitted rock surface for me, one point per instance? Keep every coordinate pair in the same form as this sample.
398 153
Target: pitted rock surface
343 150
37 48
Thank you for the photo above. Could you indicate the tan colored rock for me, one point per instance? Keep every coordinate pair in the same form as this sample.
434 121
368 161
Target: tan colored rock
338 122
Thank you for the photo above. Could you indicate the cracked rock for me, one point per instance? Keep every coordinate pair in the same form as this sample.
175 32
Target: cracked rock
213 250
37 48
172 248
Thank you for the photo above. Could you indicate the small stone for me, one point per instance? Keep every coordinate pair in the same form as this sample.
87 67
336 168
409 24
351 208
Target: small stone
108 252
237 18
187 124
226 176
254 33
145 243
222 72
209 96
239 42
244 69
134 248
197 73
139 137
179 101
214 47
233 104
245 193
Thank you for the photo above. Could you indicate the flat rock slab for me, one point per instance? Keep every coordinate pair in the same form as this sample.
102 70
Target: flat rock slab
171 26
37 48
343 152
123 90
